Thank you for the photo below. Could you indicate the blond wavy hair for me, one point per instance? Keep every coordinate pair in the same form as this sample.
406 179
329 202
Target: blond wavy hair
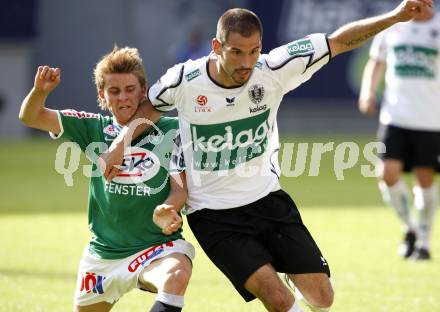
120 60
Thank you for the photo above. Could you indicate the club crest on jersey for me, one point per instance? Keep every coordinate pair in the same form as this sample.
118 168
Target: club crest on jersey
110 130
256 93
201 107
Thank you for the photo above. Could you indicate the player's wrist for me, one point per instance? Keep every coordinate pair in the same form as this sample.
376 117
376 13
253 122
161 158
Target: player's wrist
37 91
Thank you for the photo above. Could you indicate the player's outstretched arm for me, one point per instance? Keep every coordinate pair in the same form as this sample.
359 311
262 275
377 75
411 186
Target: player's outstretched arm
33 112
373 74
355 34
166 216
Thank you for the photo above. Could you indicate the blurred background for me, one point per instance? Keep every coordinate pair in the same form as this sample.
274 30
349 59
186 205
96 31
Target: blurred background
43 222
73 35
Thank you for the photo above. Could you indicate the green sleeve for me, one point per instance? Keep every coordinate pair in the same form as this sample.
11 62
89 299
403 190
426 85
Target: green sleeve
80 127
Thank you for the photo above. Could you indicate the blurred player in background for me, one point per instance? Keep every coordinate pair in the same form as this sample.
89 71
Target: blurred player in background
127 249
227 104
409 122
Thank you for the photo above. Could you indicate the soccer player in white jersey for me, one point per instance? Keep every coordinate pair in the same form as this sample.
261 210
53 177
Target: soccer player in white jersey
409 122
227 104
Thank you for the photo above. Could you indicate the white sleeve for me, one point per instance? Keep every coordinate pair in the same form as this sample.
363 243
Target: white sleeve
295 62
162 93
177 161
378 49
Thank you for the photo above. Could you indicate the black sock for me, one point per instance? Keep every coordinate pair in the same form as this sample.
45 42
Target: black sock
163 307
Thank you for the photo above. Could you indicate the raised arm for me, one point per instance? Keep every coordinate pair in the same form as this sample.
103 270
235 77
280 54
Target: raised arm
373 74
33 112
355 34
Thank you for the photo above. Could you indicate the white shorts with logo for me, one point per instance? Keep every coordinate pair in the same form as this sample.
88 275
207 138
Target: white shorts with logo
108 280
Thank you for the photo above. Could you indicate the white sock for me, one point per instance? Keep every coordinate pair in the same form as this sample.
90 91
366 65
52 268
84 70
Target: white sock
295 307
397 196
425 202
170 299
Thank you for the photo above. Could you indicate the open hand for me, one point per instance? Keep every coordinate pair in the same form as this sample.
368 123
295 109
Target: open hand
367 106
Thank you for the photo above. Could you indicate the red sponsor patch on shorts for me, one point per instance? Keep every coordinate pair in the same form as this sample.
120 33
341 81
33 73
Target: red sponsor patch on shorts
148 255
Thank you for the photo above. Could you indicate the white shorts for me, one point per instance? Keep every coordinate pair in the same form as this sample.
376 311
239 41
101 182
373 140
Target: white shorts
108 280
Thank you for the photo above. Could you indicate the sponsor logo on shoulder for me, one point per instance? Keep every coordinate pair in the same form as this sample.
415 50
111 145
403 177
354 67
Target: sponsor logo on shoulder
259 65
300 47
193 74
79 115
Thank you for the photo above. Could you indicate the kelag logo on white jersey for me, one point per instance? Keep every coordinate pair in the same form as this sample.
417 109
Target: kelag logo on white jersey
139 165
226 145
414 61
300 47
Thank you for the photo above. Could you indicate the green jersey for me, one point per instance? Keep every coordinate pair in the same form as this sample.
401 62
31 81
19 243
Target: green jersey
120 213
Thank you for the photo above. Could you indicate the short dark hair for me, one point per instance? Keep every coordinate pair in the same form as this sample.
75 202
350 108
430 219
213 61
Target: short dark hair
242 21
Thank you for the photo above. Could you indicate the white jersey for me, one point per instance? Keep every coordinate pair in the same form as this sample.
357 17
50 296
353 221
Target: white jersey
412 93
230 135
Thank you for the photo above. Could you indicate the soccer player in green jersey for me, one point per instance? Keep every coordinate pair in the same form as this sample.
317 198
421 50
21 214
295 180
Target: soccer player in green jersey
127 248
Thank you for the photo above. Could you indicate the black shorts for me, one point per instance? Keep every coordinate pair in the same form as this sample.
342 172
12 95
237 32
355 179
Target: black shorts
415 148
241 240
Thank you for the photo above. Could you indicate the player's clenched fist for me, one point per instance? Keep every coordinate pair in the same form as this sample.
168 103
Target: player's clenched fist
167 219
47 78
409 9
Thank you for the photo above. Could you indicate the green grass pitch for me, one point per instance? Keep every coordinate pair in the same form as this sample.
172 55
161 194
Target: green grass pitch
43 229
